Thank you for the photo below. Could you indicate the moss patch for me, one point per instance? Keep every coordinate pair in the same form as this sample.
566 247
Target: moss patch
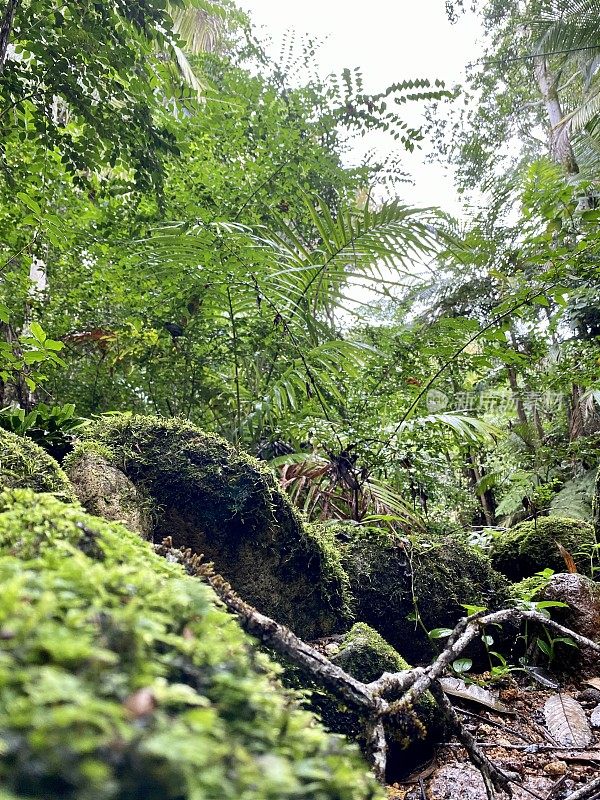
411 731
529 547
120 679
227 505
393 580
23 464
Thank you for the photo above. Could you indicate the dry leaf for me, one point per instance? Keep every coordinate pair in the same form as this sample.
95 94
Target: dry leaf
566 721
595 718
595 682
567 558
458 688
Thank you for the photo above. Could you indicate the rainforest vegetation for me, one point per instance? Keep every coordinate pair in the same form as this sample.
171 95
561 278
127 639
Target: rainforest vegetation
269 431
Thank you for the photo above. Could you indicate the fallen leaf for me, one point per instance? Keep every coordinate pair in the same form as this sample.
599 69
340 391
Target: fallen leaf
458 688
566 721
595 682
595 718
567 558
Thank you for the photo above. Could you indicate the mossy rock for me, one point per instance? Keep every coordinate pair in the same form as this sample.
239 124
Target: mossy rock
228 506
394 580
122 679
574 501
532 546
364 654
24 465
105 491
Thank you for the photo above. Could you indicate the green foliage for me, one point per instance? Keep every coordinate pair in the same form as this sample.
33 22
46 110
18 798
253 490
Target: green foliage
53 428
121 678
532 546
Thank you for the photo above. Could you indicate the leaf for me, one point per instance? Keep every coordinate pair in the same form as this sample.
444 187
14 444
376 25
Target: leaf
541 676
440 633
595 717
456 687
568 558
462 664
595 682
566 721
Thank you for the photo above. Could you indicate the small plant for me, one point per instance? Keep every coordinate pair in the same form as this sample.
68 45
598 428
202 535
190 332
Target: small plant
53 428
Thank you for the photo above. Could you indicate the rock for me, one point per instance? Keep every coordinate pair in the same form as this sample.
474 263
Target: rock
411 734
391 580
530 547
595 717
582 596
217 501
574 501
464 781
555 769
24 465
107 492
103 695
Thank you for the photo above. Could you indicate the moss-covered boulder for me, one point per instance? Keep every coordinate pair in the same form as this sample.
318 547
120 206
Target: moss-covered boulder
533 546
225 504
363 653
403 587
23 464
121 679
105 491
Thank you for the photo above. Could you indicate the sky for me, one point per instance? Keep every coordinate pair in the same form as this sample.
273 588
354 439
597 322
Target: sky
390 41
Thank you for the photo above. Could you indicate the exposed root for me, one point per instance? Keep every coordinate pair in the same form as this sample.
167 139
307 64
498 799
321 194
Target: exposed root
370 698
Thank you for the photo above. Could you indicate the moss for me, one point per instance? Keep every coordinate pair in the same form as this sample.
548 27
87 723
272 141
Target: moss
121 679
596 507
105 491
366 655
393 580
227 505
23 464
531 547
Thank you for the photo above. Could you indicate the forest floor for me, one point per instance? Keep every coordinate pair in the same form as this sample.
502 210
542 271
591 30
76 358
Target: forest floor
519 742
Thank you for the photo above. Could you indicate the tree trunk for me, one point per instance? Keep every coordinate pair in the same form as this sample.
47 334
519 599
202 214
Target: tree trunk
5 29
486 498
559 141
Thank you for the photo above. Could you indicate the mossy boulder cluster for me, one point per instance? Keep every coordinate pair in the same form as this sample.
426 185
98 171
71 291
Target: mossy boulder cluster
532 546
119 675
121 679
226 505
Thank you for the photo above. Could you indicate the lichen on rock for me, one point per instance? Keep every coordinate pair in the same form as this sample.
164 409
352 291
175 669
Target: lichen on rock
25 465
106 491
227 505
403 586
121 678
532 546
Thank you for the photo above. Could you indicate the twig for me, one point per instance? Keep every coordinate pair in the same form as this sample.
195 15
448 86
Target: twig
586 792
500 725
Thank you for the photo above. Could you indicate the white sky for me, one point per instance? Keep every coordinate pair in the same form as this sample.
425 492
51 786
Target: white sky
390 41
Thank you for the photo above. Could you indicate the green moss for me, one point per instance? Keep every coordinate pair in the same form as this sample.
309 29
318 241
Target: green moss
596 507
366 655
121 679
227 505
393 580
23 464
531 547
